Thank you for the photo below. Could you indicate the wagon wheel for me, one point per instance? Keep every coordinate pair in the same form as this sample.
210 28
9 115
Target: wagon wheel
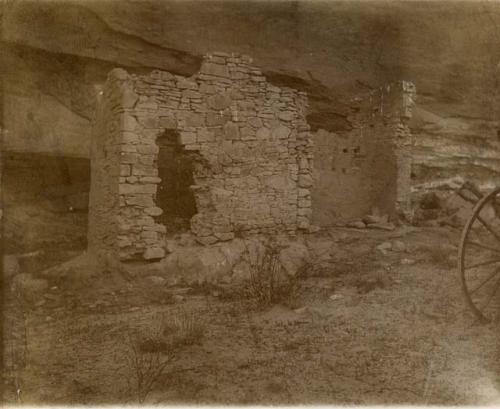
479 258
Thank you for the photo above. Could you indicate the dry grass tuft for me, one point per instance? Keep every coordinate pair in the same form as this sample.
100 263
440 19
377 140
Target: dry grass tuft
268 283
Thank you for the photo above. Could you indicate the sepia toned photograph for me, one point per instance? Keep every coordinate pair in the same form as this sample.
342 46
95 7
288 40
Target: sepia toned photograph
250 202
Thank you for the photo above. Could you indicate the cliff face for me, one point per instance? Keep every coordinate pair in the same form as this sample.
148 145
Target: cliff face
56 56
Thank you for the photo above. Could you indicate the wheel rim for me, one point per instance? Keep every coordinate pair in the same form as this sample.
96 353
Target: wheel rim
479 258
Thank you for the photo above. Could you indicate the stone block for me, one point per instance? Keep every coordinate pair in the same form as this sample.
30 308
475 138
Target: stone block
219 101
217 70
204 135
148 149
160 228
146 159
167 122
224 236
286 116
263 133
125 170
216 118
305 181
142 200
195 119
129 157
154 253
207 89
281 132
129 123
303 192
153 211
139 169
129 98
255 122
150 179
184 83
187 138
149 121
190 93
232 131
124 241
149 234
206 240
126 188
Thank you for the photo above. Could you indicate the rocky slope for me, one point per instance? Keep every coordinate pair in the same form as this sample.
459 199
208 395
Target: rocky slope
55 57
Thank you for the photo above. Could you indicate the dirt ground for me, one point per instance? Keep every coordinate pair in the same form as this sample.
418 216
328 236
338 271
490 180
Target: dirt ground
369 327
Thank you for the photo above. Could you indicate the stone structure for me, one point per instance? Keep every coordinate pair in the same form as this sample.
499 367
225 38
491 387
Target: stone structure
369 166
243 151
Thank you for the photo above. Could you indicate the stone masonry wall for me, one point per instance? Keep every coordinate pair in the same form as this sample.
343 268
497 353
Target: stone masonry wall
251 146
369 166
105 169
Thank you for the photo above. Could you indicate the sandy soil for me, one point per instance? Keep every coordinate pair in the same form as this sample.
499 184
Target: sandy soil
368 328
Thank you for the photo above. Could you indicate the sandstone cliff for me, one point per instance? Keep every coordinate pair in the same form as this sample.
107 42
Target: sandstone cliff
55 57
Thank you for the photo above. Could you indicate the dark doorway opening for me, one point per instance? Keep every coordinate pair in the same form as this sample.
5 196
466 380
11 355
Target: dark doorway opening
174 195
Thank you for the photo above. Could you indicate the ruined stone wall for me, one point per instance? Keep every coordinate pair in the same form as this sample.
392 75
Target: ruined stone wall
370 166
249 140
106 152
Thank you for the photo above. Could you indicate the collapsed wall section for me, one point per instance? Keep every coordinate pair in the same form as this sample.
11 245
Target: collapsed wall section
248 141
369 166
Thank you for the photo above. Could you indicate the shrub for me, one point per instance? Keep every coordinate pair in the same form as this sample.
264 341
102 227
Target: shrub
268 283
146 364
150 352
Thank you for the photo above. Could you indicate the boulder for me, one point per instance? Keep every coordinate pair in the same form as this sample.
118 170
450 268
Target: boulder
398 246
384 247
196 264
156 280
294 257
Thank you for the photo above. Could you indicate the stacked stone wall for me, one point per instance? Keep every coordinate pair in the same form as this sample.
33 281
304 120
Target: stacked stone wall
251 146
370 166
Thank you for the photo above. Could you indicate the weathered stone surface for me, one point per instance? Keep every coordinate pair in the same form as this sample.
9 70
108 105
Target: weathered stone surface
294 257
281 132
263 133
153 211
156 280
305 181
143 200
232 131
129 123
154 253
218 70
248 157
187 138
219 101
126 188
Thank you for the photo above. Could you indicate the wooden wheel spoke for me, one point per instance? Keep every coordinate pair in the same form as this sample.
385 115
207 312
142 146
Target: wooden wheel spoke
481 245
489 228
484 282
483 263
479 264
495 289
